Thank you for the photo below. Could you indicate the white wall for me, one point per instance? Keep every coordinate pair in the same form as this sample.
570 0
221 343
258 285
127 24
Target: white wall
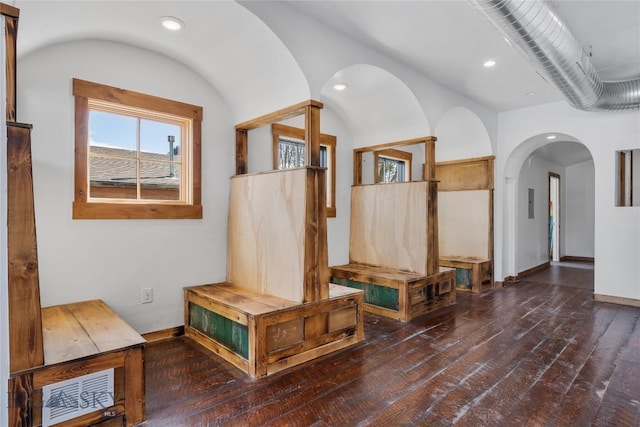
113 259
461 135
533 234
617 230
578 209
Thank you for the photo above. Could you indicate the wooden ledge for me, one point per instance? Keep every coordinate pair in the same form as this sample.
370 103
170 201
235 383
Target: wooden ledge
471 260
278 116
242 299
363 270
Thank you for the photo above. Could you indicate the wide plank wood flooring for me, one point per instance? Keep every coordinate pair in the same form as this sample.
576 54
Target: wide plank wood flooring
534 353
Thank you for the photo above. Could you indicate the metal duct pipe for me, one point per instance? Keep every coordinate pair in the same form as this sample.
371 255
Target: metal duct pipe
539 31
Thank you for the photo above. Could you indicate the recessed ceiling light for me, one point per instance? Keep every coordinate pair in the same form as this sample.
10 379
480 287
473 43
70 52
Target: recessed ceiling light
171 23
340 86
551 137
490 63
530 93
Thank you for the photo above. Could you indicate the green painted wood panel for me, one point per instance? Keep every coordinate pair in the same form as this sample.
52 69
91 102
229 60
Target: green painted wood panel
381 296
463 277
230 334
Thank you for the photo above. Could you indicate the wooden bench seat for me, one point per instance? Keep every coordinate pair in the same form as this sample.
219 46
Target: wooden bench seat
79 339
397 294
472 274
263 334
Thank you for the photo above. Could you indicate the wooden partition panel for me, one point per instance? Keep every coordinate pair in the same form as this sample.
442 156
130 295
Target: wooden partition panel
465 174
25 322
266 233
389 226
465 223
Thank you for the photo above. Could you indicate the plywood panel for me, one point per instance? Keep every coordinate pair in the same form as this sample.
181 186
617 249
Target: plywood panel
465 223
389 226
266 233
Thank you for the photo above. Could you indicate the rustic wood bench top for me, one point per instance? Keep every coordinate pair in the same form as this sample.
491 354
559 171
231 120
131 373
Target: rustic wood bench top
243 299
82 329
382 272
471 260
252 302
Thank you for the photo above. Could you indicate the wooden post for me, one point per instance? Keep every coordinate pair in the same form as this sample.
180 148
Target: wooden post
433 252
357 167
20 405
10 15
430 158
312 135
316 259
25 322
134 404
241 151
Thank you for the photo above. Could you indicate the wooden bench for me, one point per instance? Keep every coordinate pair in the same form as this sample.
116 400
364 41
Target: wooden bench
397 294
472 274
262 334
79 339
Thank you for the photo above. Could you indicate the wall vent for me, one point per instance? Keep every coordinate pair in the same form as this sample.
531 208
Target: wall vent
76 397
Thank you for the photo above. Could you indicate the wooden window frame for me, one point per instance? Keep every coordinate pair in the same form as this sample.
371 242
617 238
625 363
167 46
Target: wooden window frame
390 153
329 141
86 208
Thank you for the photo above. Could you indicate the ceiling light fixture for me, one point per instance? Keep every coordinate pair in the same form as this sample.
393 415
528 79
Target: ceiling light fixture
171 23
551 137
490 63
530 93
340 86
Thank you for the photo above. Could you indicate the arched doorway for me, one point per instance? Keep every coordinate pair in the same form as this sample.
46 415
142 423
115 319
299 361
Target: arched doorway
525 231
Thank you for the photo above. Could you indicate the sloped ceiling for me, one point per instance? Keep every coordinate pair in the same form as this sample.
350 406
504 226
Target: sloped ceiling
449 41
211 33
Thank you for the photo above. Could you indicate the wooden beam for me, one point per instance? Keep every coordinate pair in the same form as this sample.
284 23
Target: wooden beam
402 143
25 321
11 35
8 10
279 115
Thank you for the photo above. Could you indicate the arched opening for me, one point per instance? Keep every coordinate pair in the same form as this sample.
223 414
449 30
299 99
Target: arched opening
531 222
377 106
461 134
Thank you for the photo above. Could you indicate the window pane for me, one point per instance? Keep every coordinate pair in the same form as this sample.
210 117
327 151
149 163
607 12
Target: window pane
291 153
112 178
158 138
112 134
157 182
390 170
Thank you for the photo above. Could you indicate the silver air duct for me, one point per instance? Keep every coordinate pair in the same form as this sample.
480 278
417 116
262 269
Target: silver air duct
541 34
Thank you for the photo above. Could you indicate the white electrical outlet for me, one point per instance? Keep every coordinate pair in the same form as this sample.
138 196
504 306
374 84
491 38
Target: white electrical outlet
147 295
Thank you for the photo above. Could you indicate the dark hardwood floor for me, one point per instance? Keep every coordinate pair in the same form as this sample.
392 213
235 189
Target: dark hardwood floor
534 353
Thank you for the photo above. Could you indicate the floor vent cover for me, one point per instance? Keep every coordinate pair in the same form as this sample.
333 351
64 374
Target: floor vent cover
76 397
